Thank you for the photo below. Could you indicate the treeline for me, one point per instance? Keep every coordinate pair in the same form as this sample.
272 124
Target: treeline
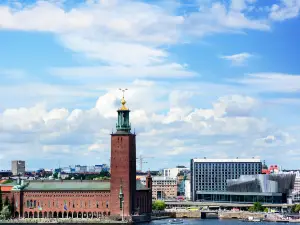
103 175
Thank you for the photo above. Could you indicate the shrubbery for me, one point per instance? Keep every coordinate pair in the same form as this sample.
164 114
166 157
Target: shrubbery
159 205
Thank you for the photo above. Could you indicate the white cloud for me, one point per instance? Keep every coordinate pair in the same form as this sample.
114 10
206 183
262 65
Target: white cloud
92 74
219 19
106 32
168 118
287 9
271 82
83 133
240 5
278 138
237 59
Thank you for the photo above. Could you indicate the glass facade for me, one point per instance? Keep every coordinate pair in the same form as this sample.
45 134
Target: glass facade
209 175
240 197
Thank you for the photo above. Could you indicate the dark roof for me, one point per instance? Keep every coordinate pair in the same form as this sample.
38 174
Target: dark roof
140 186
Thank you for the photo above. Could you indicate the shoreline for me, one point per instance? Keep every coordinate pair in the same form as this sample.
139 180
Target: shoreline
61 221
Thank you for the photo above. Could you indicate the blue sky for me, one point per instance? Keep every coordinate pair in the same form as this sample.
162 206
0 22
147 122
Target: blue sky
206 78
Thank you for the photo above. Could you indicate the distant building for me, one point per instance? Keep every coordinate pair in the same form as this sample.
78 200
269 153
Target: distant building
18 167
187 189
5 173
162 187
173 172
212 174
273 169
81 169
296 191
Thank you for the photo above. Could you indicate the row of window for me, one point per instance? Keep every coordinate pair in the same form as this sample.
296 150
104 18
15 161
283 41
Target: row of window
62 194
73 204
227 164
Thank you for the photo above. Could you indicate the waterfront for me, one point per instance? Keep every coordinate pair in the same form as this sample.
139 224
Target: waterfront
209 222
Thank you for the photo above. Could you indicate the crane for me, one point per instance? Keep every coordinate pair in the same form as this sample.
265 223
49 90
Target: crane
141 161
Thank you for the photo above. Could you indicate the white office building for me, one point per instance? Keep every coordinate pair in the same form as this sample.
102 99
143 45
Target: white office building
173 172
212 174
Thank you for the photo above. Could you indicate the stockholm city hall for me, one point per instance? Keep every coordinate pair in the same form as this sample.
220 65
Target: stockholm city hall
122 195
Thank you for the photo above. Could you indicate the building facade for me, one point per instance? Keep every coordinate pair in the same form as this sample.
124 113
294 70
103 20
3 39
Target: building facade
18 167
212 174
162 187
121 196
187 189
296 191
264 188
173 172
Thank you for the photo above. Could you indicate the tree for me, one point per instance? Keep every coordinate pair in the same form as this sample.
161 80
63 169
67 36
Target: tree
5 213
55 175
257 207
296 208
159 205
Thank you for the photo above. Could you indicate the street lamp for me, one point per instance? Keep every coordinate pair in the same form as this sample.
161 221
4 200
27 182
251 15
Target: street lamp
121 197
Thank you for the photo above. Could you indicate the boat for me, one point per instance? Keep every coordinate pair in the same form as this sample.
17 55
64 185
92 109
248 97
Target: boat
251 219
175 221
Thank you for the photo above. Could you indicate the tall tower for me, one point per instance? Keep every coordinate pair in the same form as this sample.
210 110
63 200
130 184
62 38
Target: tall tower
123 165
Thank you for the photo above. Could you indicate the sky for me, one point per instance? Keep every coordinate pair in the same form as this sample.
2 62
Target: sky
205 78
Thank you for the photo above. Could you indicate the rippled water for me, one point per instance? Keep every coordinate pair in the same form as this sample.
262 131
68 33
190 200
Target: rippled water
210 222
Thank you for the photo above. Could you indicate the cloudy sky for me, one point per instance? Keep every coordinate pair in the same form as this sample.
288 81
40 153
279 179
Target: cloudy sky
206 78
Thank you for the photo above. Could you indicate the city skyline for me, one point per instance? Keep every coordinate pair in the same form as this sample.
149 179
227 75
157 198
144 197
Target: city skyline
215 79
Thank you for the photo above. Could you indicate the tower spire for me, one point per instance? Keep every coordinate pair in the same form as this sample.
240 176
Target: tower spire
123 101
123 124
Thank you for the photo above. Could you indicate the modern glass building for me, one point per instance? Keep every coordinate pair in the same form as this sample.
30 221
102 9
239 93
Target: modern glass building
264 188
211 175
240 197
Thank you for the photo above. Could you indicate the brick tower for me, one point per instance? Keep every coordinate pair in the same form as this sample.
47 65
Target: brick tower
123 165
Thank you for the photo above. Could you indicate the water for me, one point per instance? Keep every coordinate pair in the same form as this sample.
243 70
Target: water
210 222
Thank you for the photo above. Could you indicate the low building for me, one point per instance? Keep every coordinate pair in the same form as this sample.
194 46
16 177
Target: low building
162 187
5 173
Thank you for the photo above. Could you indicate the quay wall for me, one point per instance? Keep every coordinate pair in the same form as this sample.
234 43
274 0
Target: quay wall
240 215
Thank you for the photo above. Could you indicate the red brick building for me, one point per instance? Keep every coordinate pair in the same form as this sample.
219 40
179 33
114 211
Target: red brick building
122 195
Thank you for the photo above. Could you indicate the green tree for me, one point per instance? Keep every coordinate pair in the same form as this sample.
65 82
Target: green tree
5 213
296 208
257 207
55 175
159 205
